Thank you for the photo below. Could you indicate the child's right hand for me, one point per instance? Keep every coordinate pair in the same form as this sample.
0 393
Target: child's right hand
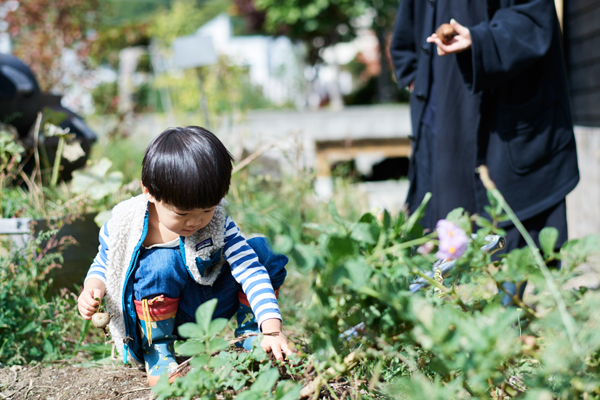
87 303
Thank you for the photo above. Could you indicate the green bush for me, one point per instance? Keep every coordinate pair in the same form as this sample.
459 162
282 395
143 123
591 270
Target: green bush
454 340
31 326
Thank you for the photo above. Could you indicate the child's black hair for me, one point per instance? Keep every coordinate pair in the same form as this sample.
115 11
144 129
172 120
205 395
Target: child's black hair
187 168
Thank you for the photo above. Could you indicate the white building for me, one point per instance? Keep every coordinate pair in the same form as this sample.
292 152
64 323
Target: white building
274 63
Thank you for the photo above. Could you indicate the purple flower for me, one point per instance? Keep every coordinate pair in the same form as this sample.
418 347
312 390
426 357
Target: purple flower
453 240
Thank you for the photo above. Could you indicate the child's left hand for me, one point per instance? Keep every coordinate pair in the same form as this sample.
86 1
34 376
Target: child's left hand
278 343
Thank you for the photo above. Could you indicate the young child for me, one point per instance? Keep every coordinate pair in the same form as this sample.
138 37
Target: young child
167 251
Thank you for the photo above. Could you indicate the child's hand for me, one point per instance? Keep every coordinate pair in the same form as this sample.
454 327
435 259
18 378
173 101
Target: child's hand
278 343
87 303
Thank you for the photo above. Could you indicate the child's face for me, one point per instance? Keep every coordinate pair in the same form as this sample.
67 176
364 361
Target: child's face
181 222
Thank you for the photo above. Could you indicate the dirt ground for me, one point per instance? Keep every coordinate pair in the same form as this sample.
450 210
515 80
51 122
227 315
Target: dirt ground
69 380
64 381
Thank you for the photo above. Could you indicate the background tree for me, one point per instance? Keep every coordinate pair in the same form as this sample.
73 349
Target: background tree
322 23
41 31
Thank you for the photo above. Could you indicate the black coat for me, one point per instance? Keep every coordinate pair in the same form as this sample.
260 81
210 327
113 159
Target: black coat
518 115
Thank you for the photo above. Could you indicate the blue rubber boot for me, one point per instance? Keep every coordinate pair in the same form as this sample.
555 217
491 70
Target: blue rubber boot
157 320
246 323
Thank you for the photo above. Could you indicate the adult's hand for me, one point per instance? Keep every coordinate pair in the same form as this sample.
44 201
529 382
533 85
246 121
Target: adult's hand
458 44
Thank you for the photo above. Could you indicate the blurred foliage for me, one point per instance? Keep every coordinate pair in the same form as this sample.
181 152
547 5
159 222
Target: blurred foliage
184 17
32 327
317 23
226 84
42 29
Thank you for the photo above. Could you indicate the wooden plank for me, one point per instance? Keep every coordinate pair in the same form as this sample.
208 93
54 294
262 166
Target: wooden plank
332 151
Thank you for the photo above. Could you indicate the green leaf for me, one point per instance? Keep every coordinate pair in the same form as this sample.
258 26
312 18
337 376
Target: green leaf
387 220
336 217
191 348
304 256
191 330
95 182
358 271
340 247
283 244
48 347
216 326
27 328
548 237
288 390
249 395
414 219
200 361
218 344
204 314
35 352
365 232
265 381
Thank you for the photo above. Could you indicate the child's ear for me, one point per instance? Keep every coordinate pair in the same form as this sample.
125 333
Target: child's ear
150 198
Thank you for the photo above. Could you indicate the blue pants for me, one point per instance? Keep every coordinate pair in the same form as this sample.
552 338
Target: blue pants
163 271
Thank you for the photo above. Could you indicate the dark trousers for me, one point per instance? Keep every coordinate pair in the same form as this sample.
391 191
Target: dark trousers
555 217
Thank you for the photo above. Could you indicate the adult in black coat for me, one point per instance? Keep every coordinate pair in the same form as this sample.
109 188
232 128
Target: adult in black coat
496 95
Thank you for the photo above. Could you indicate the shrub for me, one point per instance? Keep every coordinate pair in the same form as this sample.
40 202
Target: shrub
31 326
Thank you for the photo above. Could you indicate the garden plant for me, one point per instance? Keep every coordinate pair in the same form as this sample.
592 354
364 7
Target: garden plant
359 330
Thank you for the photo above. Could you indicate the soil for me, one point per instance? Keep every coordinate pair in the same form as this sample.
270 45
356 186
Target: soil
65 381
69 380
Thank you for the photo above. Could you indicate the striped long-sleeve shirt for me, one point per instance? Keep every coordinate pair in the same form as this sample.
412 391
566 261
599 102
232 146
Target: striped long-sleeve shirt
242 259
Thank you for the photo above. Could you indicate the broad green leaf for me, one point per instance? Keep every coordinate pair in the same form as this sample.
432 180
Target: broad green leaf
216 326
365 232
304 256
340 247
73 151
191 330
191 348
217 344
48 347
336 217
358 271
95 182
249 395
35 352
102 217
288 390
265 381
200 361
205 312
548 237
27 328
283 244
